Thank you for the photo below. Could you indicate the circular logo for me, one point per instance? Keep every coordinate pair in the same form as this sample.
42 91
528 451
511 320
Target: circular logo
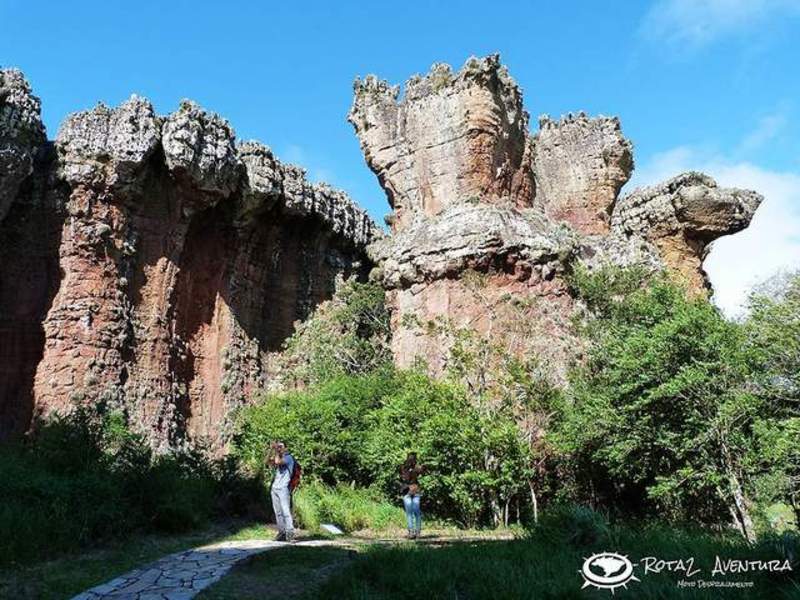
607 571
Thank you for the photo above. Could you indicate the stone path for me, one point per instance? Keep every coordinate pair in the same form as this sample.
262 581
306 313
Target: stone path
183 575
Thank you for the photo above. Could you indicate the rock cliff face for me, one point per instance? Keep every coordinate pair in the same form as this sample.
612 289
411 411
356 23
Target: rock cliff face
150 264
474 194
580 165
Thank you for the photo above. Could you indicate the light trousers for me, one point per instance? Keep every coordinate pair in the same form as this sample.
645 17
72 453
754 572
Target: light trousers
281 504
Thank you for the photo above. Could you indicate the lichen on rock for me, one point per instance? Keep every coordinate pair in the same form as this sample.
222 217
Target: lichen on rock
452 137
200 146
21 134
108 146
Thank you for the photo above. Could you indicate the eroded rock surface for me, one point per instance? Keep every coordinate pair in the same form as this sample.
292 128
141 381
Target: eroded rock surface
476 199
21 134
149 265
682 216
451 138
581 164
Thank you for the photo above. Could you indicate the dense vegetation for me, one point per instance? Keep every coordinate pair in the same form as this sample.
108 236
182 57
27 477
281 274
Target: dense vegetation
348 335
86 478
673 414
357 430
679 412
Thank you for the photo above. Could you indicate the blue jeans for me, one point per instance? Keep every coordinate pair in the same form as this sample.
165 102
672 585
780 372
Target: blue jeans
413 512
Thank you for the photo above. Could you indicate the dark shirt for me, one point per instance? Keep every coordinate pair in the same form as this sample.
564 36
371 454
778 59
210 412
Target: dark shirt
409 476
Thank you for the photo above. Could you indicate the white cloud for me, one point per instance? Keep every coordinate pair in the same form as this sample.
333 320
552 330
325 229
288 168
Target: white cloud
694 23
771 243
769 128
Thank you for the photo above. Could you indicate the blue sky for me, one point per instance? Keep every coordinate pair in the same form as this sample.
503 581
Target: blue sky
712 85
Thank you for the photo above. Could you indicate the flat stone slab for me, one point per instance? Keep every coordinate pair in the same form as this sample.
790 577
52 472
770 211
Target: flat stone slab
183 575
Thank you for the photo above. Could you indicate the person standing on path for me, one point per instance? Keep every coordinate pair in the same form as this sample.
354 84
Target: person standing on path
283 462
409 475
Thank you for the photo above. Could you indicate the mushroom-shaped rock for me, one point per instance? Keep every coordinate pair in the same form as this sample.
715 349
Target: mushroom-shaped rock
453 138
263 180
21 133
199 149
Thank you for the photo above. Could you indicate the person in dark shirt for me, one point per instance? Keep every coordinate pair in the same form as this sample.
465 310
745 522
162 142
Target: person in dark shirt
410 471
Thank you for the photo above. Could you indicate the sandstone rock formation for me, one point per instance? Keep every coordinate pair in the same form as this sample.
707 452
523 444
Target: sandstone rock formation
453 137
21 134
473 193
580 165
682 216
150 264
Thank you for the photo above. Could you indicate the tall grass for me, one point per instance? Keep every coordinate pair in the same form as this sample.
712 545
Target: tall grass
347 507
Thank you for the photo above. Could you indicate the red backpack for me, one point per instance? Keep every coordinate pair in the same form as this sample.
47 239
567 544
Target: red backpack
297 472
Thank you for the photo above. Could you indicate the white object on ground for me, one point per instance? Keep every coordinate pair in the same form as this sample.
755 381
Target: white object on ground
331 529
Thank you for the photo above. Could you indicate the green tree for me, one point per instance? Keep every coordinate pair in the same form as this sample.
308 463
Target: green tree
358 429
661 416
772 329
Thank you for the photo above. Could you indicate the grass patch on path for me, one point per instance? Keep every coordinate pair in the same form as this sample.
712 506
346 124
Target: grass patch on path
292 572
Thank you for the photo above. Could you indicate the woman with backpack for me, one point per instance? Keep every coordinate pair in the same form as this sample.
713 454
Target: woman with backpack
410 471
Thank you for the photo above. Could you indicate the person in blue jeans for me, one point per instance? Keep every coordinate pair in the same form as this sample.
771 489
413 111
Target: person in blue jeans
410 471
283 462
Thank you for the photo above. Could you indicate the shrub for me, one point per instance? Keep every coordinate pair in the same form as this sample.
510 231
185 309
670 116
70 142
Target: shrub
85 478
348 335
358 430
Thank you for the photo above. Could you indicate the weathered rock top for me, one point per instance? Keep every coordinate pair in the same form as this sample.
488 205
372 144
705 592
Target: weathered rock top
112 148
108 146
691 202
468 183
21 134
269 181
580 165
450 138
